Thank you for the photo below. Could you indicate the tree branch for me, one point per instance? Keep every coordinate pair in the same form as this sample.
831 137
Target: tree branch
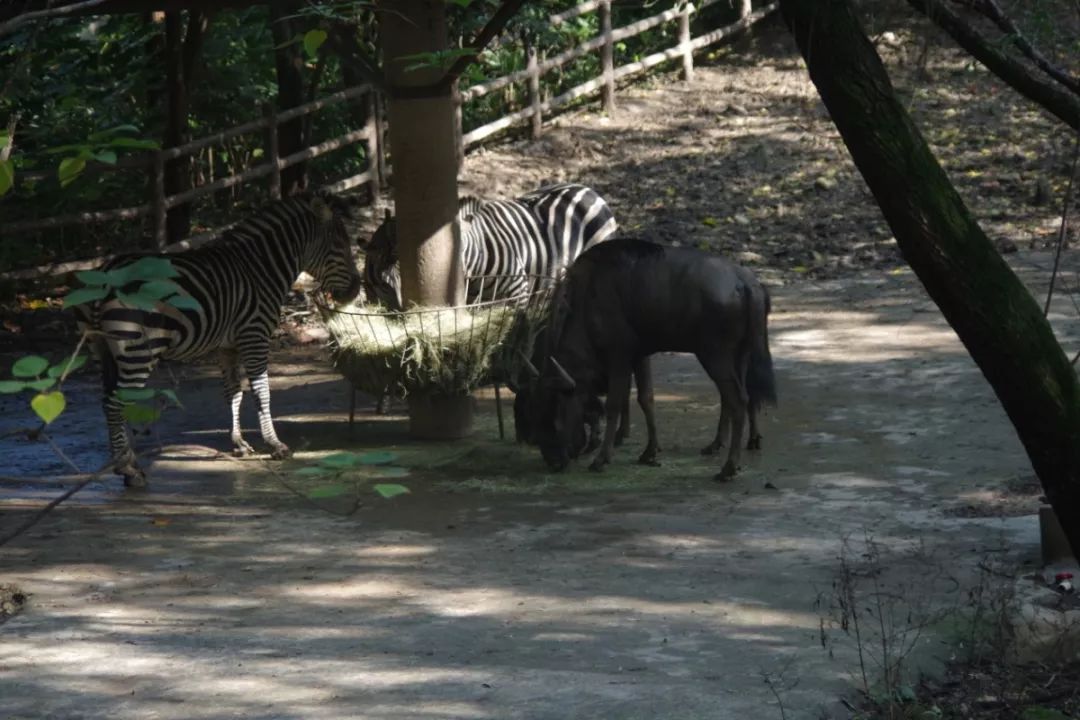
992 11
10 26
488 33
1064 224
355 59
1050 96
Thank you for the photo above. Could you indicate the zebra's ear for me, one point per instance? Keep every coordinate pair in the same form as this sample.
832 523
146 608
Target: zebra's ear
322 209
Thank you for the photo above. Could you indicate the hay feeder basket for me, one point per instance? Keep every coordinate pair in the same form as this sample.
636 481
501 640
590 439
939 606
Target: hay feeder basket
435 357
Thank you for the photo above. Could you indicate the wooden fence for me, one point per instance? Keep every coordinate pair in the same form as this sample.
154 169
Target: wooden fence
372 134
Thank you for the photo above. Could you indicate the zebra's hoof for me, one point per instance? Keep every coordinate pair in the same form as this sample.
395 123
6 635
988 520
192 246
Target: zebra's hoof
727 473
597 465
242 449
134 478
281 453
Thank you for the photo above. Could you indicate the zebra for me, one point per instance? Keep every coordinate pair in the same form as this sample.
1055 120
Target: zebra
240 282
538 234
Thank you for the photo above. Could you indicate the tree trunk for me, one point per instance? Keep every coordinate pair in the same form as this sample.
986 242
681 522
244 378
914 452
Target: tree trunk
289 62
181 53
991 311
422 154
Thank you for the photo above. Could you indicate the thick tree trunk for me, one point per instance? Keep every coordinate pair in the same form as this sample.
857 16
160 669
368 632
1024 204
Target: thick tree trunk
182 49
1030 84
422 154
289 63
991 311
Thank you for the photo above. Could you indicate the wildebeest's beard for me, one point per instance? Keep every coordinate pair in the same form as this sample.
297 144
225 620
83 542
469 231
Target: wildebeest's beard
561 432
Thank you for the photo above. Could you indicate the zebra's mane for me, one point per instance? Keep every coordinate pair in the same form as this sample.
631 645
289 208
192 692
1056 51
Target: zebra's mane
253 227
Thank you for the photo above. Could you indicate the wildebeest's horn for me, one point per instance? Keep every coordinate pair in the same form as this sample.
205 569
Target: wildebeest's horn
562 372
528 364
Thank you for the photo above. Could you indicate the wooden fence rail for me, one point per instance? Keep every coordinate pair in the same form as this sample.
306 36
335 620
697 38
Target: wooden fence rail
372 133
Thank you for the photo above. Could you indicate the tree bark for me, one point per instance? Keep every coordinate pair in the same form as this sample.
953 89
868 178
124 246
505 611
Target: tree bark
422 155
182 49
289 63
1052 97
991 311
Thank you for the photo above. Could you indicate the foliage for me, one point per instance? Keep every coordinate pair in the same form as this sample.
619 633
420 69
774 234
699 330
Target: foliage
346 471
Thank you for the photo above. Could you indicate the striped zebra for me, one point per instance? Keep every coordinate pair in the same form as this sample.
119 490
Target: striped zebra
240 282
540 233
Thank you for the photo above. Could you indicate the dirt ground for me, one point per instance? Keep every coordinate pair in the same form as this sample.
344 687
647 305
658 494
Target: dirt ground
496 590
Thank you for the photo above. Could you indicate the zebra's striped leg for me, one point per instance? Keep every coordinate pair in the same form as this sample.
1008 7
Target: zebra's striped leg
123 458
260 385
234 395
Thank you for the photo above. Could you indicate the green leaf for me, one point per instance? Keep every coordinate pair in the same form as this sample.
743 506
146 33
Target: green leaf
149 268
389 490
7 175
41 385
7 387
312 471
84 295
133 143
92 277
70 168
103 134
105 156
158 289
70 365
170 395
136 300
48 406
184 302
139 414
378 457
313 40
340 460
328 491
135 394
29 366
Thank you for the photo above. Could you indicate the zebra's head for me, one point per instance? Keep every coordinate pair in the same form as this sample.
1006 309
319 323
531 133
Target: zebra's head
382 274
330 258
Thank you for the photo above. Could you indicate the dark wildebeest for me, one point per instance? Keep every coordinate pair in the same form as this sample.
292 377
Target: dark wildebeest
627 299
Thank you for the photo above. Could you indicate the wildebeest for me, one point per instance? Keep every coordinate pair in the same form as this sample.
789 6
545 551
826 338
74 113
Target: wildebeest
627 299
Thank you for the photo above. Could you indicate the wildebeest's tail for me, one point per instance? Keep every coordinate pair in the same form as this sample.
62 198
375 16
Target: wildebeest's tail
760 381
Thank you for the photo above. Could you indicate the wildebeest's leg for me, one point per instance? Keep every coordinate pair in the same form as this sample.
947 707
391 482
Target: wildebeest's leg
624 421
754 443
646 399
594 410
123 458
618 396
719 362
234 395
254 354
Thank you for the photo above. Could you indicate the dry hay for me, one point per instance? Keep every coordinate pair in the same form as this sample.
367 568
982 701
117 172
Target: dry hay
449 351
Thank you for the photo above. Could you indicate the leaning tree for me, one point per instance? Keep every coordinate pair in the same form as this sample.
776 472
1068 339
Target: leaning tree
994 315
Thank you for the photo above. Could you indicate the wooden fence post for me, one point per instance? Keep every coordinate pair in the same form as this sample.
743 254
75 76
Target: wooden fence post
157 201
273 150
533 66
380 134
607 58
372 144
684 42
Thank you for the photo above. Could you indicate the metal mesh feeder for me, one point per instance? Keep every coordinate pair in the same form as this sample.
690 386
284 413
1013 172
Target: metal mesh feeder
436 357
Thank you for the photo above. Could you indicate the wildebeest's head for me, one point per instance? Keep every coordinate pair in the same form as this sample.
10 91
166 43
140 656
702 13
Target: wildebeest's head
560 427
382 274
